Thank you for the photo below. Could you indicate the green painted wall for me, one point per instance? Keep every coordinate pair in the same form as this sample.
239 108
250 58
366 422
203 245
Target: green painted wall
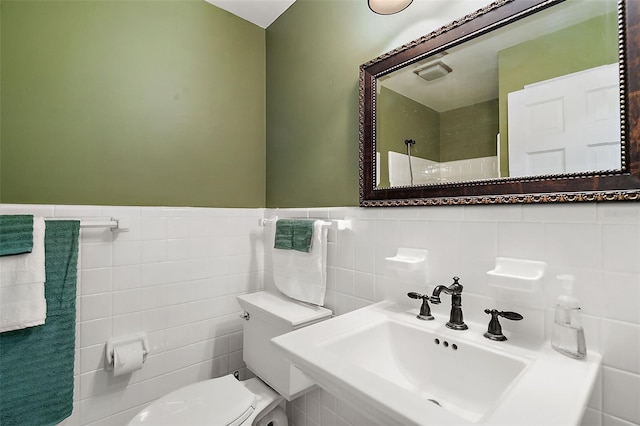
131 103
163 102
399 119
314 51
469 131
589 44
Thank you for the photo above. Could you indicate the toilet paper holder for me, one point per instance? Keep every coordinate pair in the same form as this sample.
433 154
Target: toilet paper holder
112 343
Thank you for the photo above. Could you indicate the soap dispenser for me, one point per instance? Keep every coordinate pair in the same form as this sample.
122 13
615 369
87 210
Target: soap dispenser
568 336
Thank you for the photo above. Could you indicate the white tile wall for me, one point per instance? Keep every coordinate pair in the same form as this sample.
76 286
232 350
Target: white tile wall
598 243
175 275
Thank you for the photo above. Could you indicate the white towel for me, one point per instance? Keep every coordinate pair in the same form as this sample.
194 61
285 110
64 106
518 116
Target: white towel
303 276
22 277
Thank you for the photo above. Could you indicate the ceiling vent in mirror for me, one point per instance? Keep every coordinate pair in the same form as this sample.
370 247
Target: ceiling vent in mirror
433 71
388 7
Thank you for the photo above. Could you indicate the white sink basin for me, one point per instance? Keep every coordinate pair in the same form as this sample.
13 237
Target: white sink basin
418 361
399 370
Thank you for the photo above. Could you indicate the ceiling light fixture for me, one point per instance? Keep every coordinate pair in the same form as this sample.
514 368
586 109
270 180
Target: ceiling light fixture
388 7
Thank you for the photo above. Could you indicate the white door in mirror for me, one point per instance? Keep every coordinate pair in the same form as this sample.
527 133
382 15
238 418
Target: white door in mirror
568 124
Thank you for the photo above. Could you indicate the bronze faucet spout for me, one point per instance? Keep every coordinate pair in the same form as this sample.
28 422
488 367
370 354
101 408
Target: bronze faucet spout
456 321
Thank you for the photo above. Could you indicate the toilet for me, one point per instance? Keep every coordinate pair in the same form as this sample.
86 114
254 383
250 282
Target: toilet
256 401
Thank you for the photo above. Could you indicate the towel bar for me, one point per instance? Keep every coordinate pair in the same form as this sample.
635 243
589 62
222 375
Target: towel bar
121 224
337 224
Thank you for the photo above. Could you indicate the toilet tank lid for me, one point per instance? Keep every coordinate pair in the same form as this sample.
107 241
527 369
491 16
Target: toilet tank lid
282 308
219 401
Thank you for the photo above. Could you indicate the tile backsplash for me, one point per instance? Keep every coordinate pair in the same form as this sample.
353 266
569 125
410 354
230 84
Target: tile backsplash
176 272
174 275
598 243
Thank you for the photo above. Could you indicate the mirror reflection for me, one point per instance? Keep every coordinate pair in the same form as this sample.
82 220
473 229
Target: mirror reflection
539 96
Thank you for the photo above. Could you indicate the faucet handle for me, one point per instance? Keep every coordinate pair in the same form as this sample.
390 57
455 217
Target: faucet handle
494 330
513 316
425 310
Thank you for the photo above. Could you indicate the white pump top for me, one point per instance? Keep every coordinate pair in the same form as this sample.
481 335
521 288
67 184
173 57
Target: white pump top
567 299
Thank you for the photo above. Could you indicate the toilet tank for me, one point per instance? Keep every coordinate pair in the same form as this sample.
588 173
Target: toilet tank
271 315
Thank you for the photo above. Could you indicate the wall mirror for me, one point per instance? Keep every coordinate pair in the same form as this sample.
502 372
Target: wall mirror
523 101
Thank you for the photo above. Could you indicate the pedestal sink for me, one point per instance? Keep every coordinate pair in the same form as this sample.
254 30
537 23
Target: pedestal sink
399 370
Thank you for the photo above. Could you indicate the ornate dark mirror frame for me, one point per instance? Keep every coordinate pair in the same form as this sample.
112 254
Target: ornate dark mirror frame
623 185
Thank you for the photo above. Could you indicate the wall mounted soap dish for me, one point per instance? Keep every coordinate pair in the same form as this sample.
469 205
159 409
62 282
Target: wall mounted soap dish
408 259
517 274
518 282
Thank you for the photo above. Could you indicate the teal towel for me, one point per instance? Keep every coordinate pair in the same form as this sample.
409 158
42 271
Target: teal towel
284 234
294 234
303 235
16 234
36 363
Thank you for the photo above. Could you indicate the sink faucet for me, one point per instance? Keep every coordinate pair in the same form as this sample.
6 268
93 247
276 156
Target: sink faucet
425 310
494 330
456 321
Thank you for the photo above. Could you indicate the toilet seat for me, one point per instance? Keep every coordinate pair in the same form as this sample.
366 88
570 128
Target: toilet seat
219 401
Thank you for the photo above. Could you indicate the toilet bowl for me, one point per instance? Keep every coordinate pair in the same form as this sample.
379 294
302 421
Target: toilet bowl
256 401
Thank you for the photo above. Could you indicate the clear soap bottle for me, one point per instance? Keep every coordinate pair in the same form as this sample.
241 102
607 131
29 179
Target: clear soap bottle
568 335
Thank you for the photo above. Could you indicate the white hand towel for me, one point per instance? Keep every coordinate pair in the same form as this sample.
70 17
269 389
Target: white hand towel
22 277
303 276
